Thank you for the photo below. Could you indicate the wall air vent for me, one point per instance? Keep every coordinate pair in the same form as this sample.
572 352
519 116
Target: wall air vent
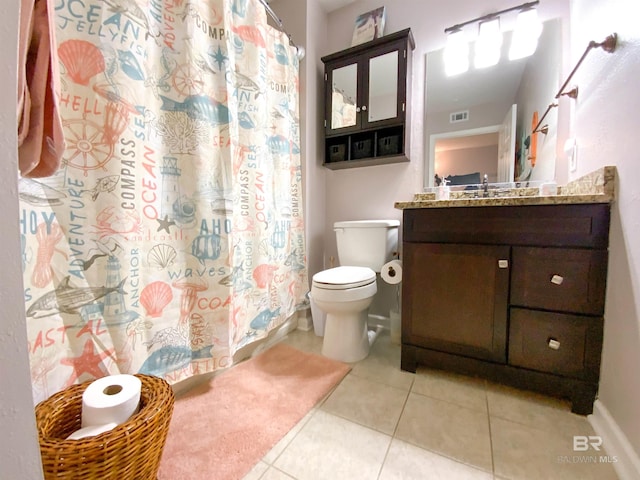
456 117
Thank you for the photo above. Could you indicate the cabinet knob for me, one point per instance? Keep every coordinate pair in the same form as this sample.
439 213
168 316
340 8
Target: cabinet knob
503 263
557 279
553 344
364 108
358 109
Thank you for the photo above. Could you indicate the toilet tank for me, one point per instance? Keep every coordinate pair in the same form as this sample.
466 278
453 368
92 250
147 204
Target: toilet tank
366 243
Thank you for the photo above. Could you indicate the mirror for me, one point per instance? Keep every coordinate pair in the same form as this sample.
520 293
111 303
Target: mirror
383 87
464 114
344 96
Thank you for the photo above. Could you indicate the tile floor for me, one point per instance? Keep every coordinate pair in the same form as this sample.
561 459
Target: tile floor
381 423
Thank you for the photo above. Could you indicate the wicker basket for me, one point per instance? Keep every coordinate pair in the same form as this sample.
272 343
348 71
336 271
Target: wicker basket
132 450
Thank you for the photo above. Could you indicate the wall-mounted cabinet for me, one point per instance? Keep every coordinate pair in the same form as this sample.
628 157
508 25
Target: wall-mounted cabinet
367 99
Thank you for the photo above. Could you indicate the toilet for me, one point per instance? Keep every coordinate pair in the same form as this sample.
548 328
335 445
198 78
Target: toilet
345 293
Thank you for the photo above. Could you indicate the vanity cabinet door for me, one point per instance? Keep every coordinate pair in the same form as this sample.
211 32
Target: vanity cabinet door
367 90
343 96
455 298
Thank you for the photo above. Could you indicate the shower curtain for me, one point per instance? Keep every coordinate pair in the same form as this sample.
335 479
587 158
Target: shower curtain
172 234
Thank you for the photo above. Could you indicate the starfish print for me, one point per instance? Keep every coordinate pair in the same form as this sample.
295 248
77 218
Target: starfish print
165 224
87 362
219 57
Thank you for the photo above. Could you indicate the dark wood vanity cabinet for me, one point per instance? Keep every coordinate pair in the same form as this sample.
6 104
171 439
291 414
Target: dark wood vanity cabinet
512 294
367 99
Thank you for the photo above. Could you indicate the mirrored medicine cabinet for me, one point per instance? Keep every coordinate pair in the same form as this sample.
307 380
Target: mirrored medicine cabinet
367 92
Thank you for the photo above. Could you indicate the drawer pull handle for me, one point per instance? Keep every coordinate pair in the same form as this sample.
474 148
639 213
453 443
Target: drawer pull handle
557 279
554 344
503 263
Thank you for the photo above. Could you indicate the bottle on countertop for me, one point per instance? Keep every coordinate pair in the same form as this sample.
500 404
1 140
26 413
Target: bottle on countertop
443 190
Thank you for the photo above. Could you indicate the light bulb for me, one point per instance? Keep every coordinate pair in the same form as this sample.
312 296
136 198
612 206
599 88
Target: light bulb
456 54
487 49
525 36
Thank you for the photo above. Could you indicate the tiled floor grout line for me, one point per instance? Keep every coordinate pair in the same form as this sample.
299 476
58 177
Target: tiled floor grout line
395 429
486 399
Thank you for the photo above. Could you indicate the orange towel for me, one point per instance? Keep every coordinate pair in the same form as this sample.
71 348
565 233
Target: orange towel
40 136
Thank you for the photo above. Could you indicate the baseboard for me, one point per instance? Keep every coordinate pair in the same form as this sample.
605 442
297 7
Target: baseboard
305 321
616 443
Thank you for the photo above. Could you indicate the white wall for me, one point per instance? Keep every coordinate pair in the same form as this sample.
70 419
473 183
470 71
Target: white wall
463 161
605 124
20 454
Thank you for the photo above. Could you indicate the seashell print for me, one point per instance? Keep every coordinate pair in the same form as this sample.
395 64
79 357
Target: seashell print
161 256
82 59
263 274
155 297
129 65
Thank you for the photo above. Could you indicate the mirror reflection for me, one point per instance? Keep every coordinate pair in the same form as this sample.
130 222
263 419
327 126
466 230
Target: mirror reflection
344 95
383 87
475 118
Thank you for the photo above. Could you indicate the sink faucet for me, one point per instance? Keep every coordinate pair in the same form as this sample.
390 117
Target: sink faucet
485 186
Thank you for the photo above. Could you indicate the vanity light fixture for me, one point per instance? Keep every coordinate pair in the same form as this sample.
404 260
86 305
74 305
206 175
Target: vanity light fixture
489 41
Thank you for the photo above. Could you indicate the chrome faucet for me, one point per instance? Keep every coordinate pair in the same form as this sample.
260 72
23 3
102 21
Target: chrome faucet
485 186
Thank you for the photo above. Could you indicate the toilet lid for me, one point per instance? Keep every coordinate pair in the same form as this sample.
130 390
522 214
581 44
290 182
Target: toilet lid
340 278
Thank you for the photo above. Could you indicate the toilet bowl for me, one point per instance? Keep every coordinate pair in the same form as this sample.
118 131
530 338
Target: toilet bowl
345 294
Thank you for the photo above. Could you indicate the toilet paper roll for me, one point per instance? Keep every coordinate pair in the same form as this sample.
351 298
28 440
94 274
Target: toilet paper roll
112 399
91 431
392 272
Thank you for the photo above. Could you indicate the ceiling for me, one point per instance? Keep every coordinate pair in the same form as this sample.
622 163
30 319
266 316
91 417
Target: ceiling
331 5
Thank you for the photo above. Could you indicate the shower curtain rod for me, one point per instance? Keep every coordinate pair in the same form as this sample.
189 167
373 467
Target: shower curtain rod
276 19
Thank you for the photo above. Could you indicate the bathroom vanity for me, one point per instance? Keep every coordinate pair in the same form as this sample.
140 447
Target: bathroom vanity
509 289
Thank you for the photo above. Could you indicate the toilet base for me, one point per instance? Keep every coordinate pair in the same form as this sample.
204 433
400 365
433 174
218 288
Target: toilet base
346 338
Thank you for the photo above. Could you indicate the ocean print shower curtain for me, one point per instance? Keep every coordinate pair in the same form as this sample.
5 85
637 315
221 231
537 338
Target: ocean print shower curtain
172 234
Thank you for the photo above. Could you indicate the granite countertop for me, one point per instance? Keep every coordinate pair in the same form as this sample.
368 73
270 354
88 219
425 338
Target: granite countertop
596 187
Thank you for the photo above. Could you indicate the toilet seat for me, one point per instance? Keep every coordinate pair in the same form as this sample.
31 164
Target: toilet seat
344 277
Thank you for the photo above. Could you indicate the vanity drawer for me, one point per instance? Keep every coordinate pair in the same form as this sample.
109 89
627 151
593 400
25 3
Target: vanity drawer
568 280
571 226
567 345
